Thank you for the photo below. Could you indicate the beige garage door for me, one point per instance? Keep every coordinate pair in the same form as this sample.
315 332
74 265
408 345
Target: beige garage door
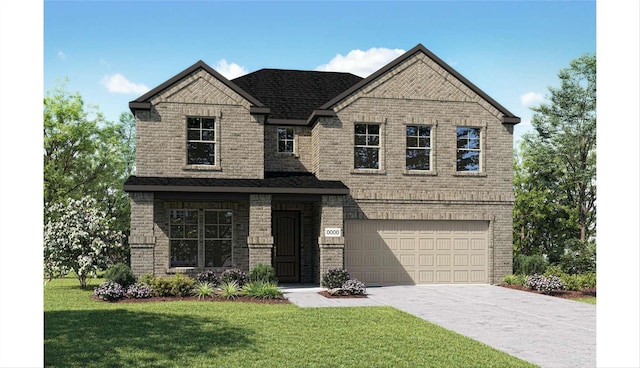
394 252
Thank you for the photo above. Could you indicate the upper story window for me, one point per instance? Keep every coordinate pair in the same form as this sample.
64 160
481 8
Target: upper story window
468 149
366 151
418 147
285 140
201 138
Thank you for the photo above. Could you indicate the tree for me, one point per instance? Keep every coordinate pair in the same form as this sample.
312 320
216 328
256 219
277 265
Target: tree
86 155
79 237
555 173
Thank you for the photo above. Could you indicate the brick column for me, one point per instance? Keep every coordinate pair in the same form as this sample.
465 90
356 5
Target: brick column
260 240
331 248
141 240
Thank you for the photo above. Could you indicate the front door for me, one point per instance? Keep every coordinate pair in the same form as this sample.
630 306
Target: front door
286 245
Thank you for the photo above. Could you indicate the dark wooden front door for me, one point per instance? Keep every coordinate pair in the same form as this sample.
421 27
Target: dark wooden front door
286 247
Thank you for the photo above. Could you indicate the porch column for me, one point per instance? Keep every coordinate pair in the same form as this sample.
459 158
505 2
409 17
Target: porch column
141 239
331 243
260 240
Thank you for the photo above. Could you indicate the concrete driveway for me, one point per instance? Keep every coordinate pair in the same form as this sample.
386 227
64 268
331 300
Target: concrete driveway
548 331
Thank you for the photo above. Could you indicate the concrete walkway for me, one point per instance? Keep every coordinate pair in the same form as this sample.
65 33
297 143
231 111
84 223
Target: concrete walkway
548 331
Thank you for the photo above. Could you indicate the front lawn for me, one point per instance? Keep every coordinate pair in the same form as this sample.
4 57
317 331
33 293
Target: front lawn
82 332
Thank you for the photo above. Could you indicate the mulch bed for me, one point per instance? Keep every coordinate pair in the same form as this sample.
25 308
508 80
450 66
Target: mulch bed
566 294
240 299
327 295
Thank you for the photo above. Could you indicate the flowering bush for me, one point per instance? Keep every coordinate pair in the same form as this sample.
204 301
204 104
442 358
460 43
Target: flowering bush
233 274
139 291
209 277
544 283
334 278
78 238
109 291
354 287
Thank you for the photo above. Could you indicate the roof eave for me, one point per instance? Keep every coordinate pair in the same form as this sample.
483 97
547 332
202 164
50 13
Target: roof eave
320 113
220 189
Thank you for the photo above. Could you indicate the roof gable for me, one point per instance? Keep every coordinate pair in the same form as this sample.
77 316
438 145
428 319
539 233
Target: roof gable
144 102
508 117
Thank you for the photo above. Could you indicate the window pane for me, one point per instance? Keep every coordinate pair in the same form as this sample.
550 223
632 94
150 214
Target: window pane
282 146
211 231
373 140
193 123
468 161
208 135
289 146
191 231
361 140
225 217
412 130
425 130
176 217
177 231
361 129
191 216
224 232
200 153
210 217
473 144
417 159
289 133
365 158
374 129
193 135
282 133
184 253
412 142
423 142
208 123
217 253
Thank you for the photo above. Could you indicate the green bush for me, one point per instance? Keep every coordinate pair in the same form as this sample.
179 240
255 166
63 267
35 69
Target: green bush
529 265
514 279
554 270
334 278
121 274
571 282
146 279
181 285
261 290
203 290
587 280
161 286
264 273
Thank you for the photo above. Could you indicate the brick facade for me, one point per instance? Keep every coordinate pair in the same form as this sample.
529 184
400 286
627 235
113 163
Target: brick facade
416 91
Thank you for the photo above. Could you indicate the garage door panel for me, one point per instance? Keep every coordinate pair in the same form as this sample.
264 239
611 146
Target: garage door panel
391 252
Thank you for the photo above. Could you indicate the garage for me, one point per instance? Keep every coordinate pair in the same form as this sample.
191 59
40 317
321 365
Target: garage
397 252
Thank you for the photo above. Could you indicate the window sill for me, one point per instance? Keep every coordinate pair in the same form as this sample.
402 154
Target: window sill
368 172
420 173
201 168
470 173
174 270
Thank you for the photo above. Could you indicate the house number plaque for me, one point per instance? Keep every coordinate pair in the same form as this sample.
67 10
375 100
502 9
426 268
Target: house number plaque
332 232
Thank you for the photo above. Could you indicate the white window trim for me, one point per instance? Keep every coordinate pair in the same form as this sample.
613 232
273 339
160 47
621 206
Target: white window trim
481 170
294 151
216 145
381 148
432 150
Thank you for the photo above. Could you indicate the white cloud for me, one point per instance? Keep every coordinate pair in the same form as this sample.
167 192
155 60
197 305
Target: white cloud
230 71
62 55
117 83
530 98
103 62
361 63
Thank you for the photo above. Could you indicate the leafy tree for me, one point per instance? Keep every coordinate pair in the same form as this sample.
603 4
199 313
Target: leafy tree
86 155
79 237
555 172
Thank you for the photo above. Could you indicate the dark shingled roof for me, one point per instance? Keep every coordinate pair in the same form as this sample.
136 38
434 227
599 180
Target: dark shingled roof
294 94
274 182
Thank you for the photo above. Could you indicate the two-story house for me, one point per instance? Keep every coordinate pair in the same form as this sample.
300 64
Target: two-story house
404 177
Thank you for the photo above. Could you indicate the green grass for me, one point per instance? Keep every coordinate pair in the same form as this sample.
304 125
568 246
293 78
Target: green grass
81 332
588 299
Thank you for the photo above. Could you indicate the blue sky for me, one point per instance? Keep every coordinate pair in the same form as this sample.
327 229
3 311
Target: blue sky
113 51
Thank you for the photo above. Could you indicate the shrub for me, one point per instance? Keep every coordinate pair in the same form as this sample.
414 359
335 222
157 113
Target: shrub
544 283
161 286
233 274
109 291
554 270
203 290
528 265
181 285
571 282
209 277
334 278
587 280
514 280
354 287
120 273
229 289
264 273
262 290
146 279
139 291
